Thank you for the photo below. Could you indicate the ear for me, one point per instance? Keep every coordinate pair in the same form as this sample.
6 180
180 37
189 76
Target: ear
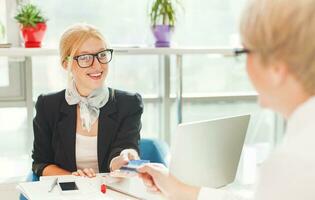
278 73
65 64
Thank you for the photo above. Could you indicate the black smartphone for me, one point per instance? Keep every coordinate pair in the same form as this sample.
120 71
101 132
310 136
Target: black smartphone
68 186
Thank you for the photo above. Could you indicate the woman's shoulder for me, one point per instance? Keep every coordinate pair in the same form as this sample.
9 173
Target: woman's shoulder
53 96
124 98
124 95
49 104
50 101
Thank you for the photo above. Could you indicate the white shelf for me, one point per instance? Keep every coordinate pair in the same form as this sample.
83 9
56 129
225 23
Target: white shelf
28 52
227 51
20 51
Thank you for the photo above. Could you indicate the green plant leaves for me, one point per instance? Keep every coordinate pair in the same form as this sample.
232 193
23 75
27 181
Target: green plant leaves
29 15
162 11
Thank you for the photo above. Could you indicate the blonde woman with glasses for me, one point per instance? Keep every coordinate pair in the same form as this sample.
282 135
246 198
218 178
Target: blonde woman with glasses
278 36
88 127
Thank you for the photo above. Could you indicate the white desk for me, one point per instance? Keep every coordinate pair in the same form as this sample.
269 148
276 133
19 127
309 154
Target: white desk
123 189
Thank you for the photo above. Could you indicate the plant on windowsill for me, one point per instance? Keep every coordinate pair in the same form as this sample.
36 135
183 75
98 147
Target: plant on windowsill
32 24
163 19
3 44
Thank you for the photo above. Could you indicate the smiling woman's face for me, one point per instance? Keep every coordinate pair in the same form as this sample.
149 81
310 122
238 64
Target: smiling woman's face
90 78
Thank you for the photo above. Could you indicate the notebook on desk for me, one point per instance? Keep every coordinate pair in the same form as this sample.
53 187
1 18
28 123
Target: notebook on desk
212 150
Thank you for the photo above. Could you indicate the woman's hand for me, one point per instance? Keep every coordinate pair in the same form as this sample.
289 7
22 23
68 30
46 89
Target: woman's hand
123 159
157 178
86 172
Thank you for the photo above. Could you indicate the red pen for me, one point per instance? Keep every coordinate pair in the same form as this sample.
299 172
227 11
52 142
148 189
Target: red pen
103 188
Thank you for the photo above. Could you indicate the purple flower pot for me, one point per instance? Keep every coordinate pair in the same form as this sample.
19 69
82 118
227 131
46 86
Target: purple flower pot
162 34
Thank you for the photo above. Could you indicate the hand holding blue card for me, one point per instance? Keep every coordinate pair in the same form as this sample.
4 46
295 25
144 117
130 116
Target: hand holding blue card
134 164
129 170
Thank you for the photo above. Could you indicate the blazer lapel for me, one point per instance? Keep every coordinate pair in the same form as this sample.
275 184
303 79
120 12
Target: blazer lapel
66 128
107 127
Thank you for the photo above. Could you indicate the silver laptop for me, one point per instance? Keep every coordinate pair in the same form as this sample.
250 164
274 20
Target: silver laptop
207 153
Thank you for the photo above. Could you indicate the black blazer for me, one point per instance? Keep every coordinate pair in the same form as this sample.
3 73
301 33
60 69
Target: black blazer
55 130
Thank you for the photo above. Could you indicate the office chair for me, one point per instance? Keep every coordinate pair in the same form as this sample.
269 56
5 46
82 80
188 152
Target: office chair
154 150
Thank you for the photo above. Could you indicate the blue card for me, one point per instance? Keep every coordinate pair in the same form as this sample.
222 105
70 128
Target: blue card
133 165
129 170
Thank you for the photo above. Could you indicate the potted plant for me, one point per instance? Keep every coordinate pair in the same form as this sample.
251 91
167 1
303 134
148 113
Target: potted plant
163 20
32 24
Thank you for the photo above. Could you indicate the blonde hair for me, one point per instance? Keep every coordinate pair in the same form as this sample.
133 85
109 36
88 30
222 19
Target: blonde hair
283 30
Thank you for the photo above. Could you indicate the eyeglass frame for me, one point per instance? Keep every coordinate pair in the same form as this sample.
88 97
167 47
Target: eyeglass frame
94 55
240 51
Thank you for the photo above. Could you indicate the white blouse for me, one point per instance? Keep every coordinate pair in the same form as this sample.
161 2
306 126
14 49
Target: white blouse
86 152
289 174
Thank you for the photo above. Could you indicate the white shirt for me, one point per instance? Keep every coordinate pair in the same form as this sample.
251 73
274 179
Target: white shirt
289 174
86 152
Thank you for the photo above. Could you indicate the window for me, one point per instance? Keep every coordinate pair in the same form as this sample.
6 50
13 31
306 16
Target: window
125 22
11 81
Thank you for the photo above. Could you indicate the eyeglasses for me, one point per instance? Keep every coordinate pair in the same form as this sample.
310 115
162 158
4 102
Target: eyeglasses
87 60
241 51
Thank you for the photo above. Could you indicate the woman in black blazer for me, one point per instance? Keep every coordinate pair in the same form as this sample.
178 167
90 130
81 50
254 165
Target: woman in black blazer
86 128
